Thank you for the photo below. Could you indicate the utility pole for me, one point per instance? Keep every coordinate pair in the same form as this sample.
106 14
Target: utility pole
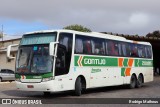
2 33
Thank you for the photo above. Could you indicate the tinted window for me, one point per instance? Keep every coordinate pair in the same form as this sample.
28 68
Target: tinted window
124 53
134 50
98 46
148 51
141 51
112 47
83 45
64 57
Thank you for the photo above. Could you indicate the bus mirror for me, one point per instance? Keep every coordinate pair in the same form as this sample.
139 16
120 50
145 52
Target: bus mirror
52 46
9 49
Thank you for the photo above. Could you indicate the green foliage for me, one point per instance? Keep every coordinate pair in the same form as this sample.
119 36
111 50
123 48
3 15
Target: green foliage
77 28
154 34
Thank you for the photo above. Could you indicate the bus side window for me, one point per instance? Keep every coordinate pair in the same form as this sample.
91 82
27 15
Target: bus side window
110 47
147 55
128 49
79 46
107 50
141 51
113 48
124 53
87 46
98 46
119 48
149 52
134 50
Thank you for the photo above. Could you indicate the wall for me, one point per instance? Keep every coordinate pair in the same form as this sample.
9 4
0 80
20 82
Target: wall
4 62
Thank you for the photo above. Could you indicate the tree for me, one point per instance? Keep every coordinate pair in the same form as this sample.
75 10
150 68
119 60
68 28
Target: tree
154 34
77 27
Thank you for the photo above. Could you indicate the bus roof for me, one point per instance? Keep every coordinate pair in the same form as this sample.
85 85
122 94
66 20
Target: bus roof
93 34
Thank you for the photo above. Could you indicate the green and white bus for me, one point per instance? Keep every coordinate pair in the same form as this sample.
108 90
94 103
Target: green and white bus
62 60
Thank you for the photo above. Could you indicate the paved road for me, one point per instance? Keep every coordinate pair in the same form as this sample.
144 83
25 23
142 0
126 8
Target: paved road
149 90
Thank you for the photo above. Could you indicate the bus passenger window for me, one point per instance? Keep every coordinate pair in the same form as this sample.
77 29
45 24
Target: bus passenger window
113 48
120 49
116 49
128 49
149 52
107 48
98 46
124 53
79 46
87 46
134 51
141 51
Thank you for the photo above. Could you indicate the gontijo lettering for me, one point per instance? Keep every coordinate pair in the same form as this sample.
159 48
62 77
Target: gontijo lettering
94 61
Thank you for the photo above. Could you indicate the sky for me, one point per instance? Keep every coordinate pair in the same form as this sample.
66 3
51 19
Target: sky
118 16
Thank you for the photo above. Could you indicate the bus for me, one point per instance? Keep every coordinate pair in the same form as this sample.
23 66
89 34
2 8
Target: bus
63 60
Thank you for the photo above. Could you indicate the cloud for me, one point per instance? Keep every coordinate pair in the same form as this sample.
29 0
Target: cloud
121 16
139 20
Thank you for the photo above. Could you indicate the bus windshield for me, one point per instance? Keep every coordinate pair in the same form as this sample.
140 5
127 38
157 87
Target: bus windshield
33 59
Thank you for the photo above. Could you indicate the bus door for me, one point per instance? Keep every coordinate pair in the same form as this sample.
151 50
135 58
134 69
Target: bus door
63 61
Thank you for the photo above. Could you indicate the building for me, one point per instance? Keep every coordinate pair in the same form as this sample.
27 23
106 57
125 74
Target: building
4 62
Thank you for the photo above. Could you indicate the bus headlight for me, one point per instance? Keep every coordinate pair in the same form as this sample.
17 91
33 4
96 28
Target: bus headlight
47 79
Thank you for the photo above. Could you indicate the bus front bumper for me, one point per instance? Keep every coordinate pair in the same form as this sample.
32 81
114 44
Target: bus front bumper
41 86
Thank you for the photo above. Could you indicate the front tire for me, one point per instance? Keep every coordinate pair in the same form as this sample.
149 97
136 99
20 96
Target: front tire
133 82
78 87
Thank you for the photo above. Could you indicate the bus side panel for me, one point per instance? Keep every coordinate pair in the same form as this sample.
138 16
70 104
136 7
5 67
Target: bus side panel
100 76
114 76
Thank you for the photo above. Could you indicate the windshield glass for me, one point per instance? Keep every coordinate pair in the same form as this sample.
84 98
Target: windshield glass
34 59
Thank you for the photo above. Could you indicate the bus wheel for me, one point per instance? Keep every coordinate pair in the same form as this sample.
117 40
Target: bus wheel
46 93
78 87
139 81
133 82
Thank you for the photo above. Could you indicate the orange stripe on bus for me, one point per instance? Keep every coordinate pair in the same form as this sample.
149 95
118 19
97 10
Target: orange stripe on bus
120 62
128 70
79 61
130 62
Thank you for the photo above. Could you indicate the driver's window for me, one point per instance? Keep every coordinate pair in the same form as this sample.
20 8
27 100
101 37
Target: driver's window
60 61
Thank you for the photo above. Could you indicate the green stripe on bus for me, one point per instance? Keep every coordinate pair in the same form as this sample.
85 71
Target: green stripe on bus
125 62
109 61
123 71
143 63
95 61
40 76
